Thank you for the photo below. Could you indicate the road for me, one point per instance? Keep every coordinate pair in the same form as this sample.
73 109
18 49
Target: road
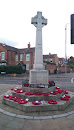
63 81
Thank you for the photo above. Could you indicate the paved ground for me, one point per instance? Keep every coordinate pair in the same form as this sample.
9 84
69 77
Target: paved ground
14 123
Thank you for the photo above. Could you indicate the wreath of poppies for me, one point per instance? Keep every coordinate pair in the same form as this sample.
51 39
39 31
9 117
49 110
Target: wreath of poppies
17 90
57 87
52 102
39 87
21 101
65 97
6 96
36 102
45 94
28 93
54 93
36 94
25 84
58 90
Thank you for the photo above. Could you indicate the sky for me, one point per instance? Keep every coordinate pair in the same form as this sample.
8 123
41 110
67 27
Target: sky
16 28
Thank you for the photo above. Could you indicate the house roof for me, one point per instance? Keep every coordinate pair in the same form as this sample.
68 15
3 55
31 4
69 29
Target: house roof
45 56
9 48
23 50
52 55
49 56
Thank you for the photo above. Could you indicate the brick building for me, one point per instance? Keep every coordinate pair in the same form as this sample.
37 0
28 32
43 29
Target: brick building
13 56
52 58
25 57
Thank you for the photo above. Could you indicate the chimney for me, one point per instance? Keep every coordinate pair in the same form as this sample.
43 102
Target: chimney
49 53
29 45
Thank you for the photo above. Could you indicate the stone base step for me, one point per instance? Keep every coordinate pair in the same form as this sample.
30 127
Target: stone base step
38 98
29 107
41 90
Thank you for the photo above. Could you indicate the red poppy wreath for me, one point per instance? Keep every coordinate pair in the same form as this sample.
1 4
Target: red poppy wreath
52 102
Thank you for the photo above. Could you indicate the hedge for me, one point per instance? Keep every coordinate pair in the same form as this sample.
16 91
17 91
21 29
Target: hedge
11 69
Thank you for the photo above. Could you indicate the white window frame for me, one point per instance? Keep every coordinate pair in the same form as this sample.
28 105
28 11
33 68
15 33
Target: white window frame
33 66
21 57
51 60
16 57
44 67
27 57
45 59
2 56
27 66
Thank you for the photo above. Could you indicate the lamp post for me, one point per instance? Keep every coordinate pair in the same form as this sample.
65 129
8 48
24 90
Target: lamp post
65 46
57 69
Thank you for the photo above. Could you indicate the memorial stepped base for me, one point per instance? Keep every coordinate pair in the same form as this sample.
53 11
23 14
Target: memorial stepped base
29 107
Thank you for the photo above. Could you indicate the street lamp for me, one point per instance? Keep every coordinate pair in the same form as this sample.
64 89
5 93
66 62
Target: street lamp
65 46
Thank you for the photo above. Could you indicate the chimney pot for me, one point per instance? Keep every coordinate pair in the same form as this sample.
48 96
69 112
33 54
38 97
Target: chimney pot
29 45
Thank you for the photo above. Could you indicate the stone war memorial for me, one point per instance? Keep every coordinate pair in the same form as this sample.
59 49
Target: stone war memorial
38 75
36 94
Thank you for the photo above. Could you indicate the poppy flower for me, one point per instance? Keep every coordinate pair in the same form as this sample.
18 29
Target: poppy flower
12 97
19 91
66 92
60 90
28 93
12 89
39 87
37 94
45 94
65 97
54 92
57 87
25 84
21 101
49 82
52 102
16 99
36 102
6 96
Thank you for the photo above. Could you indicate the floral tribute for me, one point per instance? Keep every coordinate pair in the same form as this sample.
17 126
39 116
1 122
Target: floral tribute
58 90
36 94
52 102
51 83
36 102
15 99
65 97
17 90
25 83
39 86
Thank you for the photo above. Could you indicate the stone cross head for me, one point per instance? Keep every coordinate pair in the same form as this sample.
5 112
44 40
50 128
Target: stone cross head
39 20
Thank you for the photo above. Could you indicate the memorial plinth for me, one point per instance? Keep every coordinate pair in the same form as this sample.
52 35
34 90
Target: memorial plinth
38 75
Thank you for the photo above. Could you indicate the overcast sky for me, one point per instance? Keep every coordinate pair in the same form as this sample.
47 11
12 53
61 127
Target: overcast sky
16 28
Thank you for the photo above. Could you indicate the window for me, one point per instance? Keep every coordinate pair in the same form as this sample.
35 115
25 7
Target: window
50 60
27 57
45 59
2 55
21 57
16 57
33 66
27 66
60 62
44 67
